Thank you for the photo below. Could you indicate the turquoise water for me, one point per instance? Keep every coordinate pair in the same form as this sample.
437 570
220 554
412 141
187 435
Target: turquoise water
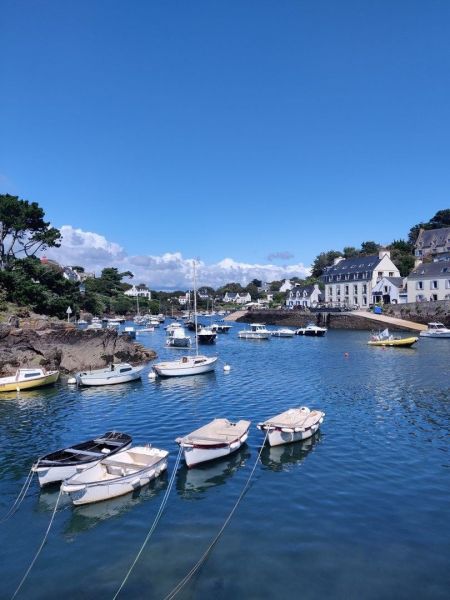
360 511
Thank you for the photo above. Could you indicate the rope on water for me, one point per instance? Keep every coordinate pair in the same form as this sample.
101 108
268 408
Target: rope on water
21 495
204 556
154 524
22 581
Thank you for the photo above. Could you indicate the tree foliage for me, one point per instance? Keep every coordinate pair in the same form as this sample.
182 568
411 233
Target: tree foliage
440 219
23 230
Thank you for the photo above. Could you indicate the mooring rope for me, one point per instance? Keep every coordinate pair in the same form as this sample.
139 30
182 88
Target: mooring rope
154 524
39 549
21 495
204 556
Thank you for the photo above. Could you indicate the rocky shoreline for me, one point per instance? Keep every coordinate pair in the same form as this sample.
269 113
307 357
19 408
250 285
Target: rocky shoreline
62 347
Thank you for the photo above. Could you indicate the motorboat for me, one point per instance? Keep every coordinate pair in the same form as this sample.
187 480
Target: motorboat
28 379
64 463
384 338
436 330
292 425
115 476
256 331
115 373
311 330
186 365
218 438
172 326
283 332
206 335
178 338
144 330
94 325
189 364
221 327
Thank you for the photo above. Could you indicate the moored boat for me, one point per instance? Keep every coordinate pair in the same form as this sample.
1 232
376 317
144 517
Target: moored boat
115 373
205 335
292 425
218 438
221 327
436 330
125 472
28 379
311 330
256 331
64 463
384 338
282 332
178 338
186 365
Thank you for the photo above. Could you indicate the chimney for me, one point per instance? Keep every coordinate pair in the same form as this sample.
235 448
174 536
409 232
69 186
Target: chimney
384 252
337 260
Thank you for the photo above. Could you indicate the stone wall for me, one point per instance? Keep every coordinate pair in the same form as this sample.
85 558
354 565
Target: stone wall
421 312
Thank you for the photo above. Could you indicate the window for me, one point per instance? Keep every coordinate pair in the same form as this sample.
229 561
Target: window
434 285
338 290
434 297
391 273
355 290
346 290
364 300
419 285
380 273
447 284
364 288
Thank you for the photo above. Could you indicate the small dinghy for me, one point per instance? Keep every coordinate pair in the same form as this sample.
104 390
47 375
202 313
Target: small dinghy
218 438
125 472
64 463
292 425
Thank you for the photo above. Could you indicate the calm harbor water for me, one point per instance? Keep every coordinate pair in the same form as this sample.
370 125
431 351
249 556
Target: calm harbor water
360 511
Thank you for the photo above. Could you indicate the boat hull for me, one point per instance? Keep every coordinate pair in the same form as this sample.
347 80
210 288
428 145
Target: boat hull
111 378
30 384
278 437
253 336
196 454
402 343
178 369
434 334
97 491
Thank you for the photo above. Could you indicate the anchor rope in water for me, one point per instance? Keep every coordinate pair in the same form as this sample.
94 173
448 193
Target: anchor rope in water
154 524
180 585
22 581
20 497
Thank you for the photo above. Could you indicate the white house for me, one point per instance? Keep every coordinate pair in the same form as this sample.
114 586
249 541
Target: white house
429 281
286 286
236 298
350 281
140 291
389 290
304 296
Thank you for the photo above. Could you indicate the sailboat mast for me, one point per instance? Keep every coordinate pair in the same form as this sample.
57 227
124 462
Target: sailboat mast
195 311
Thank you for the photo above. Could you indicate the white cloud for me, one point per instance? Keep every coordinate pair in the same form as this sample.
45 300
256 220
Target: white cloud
170 271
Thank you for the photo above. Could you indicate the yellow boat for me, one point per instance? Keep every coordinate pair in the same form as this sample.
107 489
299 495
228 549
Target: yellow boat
384 339
28 379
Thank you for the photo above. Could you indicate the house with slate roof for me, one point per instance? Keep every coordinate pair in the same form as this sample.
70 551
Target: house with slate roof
429 281
303 296
433 243
350 282
140 290
389 290
237 298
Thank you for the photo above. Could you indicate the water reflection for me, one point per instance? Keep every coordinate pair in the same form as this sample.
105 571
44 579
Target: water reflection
191 382
281 458
192 483
86 517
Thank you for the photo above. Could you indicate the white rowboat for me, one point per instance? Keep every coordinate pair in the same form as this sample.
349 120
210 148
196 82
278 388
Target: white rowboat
125 472
292 425
115 373
218 438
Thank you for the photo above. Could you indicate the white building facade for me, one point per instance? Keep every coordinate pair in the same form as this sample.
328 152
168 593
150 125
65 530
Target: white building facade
140 291
303 296
350 282
429 282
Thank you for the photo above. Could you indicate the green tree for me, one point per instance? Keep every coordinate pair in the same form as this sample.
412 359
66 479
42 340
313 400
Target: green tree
23 230
369 248
350 251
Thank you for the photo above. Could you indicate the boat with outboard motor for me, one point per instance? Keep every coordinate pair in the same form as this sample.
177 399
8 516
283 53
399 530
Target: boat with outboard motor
125 472
384 338
282 332
292 425
64 463
256 331
218 438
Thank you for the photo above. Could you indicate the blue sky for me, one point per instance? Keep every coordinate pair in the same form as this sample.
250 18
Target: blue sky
244 133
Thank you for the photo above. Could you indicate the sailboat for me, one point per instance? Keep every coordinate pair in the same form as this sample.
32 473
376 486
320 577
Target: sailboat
188 364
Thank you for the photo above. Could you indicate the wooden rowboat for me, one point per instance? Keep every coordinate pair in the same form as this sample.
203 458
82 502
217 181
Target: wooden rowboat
28 379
